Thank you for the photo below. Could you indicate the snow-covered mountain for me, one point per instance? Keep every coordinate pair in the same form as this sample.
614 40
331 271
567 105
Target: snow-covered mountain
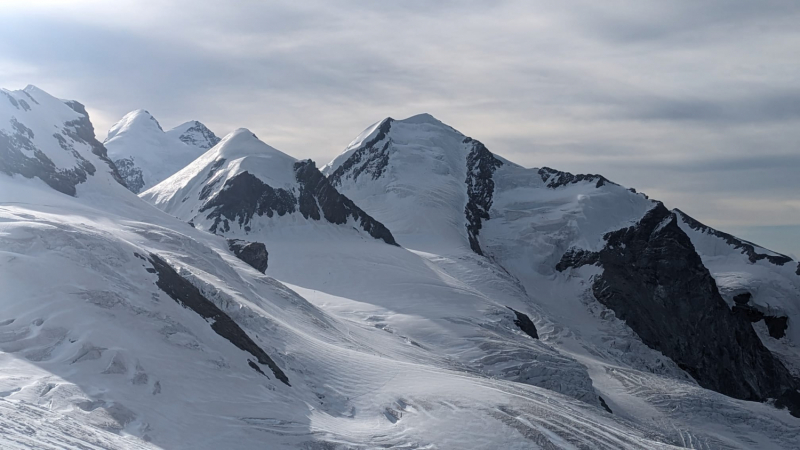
267 307
587 253
51 140
145 154
243 184
194 133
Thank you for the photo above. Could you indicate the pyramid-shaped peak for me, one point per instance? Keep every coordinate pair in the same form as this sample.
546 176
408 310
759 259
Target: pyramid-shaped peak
195 133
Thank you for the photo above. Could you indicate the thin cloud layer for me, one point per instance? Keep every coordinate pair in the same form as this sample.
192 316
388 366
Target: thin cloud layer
695 103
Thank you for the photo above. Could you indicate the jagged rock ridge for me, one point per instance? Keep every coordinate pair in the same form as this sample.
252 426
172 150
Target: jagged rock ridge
481 164
651 272
371 157
748 248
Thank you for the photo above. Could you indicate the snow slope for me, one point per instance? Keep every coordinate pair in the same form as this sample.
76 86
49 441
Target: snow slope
145 154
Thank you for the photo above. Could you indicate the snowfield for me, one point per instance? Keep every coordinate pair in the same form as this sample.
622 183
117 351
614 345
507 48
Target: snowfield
426 344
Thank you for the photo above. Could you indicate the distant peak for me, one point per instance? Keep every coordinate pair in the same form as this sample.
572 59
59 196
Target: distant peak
142 116
31 88
427 119
422 118
138 121
243 133
196 134
242 139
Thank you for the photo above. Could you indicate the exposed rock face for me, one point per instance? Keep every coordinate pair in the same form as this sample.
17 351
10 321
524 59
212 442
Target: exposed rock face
555 178
318 194
253 253
481 164
81 130
775 324
186 294
650 272
199 136
747 248
134 179
372 157
245 196
16 146
525 324
209 187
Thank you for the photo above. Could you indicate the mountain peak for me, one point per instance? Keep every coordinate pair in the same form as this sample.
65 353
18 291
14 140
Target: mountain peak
139 120
195 133
423 118
244 144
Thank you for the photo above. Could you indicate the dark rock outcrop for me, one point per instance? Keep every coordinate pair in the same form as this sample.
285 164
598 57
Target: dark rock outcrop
188 296
134 179
481 164
371 157
525 323
209 139
576 257
245 196
14 150
776 325
555 178
81 130
209 187
253 253
318 194
748 248
652 272
605 405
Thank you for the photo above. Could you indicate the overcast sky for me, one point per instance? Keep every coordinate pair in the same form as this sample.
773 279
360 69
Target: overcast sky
696 103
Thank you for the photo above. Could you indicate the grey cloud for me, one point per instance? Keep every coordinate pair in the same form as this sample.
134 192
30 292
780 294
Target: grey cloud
695 101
